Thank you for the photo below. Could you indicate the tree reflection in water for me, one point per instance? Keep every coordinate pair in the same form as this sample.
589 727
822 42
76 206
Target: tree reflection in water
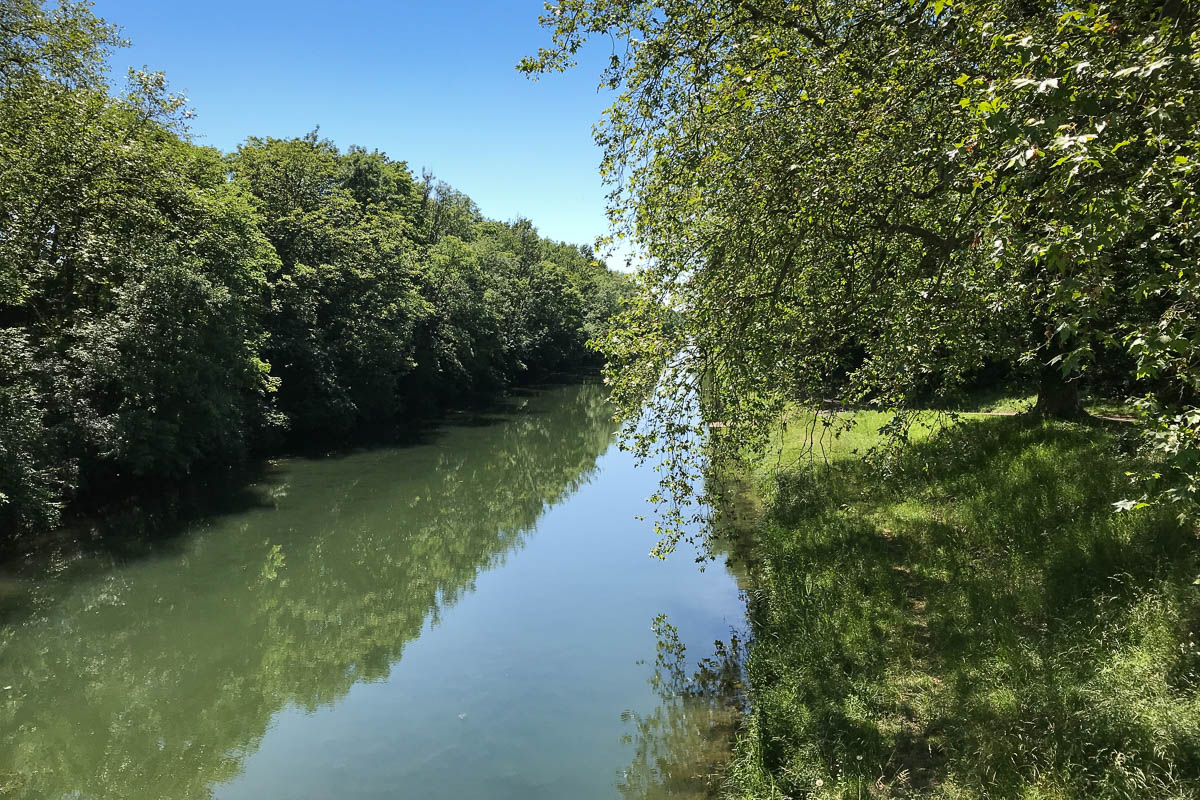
682 747
155 677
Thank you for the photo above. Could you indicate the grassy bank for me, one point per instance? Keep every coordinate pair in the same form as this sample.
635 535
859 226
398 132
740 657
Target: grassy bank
976 623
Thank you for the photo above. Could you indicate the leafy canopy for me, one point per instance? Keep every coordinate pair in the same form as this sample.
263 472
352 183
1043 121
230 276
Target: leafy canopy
870 201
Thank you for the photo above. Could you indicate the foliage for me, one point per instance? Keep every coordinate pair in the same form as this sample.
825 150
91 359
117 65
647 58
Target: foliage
870 201
395 294
130 273
978 625
167 309
343 303
65 43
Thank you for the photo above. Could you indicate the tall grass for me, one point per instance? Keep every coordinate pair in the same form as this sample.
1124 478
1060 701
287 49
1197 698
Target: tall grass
976 622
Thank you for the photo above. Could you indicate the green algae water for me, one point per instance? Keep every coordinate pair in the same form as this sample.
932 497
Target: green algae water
469 617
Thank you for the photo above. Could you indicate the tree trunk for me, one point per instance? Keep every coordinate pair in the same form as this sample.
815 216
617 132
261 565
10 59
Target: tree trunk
1058 398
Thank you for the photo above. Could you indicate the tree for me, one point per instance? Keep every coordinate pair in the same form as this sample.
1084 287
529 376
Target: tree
865 201
130 273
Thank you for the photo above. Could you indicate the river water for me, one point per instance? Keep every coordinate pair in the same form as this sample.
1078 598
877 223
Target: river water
468 617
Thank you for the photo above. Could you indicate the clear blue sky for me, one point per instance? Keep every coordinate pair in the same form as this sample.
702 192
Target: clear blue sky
432 83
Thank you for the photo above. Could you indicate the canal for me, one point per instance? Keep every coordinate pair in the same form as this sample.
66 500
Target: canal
469 616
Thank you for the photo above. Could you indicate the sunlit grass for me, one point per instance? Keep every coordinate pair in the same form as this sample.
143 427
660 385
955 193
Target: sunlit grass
1004 403
970 620
805 438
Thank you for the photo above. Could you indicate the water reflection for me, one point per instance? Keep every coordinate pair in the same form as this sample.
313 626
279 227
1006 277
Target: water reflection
682 747
155 677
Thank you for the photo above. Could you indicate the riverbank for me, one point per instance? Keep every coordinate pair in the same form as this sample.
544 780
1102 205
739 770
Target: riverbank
974 621
132 513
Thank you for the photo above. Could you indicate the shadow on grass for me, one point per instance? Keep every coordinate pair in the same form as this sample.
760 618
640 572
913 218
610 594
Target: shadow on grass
979 623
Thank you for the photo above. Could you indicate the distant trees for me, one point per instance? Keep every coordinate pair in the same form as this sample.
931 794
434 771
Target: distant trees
165 307
868 201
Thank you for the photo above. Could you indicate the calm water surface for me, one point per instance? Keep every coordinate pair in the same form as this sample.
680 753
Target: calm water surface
458 619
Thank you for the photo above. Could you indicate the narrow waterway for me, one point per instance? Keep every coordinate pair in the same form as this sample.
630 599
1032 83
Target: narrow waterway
469 617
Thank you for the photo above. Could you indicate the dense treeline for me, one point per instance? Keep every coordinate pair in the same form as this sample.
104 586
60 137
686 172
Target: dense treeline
165 307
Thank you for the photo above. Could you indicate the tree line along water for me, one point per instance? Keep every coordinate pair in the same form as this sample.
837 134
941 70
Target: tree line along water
167 308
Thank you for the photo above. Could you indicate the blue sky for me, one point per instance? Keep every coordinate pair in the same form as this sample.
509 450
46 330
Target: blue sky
432 83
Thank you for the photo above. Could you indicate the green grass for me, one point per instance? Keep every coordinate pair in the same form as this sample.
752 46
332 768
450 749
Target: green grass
975 622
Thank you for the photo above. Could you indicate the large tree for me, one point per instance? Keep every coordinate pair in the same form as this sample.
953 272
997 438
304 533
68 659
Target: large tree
130 277
868 201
